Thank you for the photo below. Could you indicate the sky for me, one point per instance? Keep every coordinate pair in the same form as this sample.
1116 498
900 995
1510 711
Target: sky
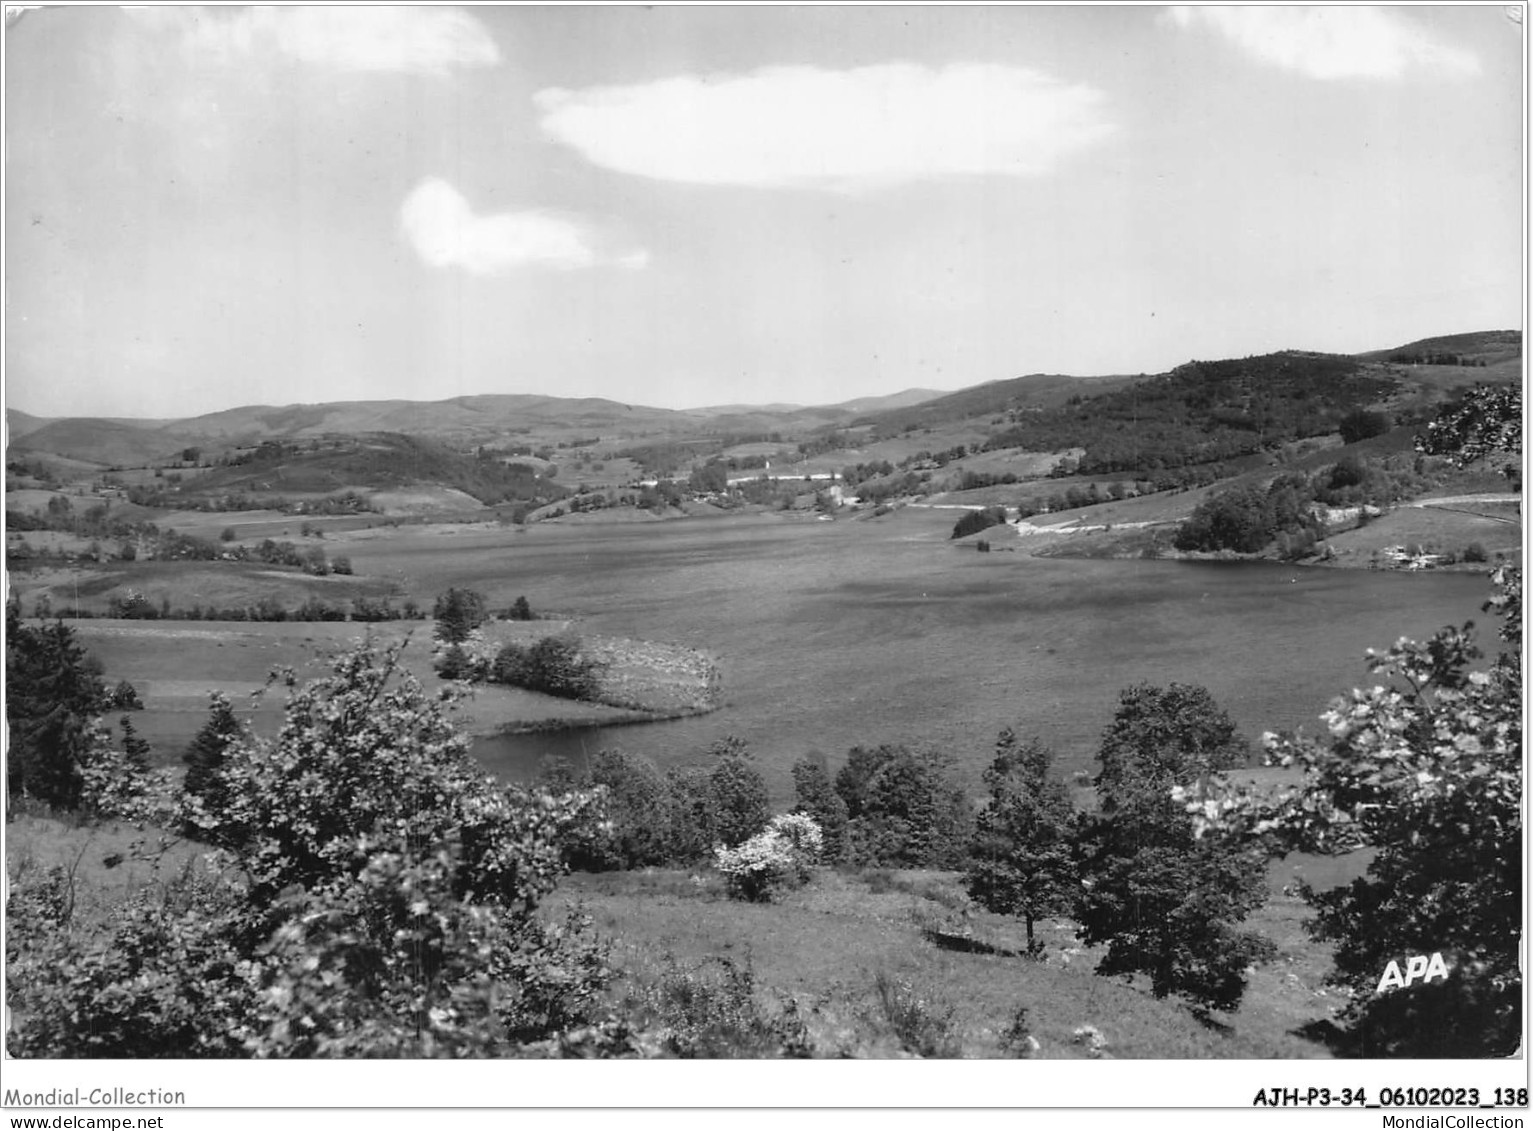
686 206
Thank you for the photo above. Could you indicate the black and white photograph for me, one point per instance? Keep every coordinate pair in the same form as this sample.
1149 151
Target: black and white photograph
934 537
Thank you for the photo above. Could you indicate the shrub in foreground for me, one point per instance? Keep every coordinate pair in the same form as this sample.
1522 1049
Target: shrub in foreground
710 1010
1425 769
380 898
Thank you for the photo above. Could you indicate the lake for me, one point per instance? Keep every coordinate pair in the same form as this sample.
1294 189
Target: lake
832 635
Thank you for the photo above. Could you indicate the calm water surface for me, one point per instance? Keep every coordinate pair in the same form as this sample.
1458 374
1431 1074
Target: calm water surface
837 634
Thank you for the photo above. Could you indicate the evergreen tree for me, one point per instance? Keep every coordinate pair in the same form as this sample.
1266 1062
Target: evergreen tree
53 689
818 798
203 787
1021 857
134 748
458 612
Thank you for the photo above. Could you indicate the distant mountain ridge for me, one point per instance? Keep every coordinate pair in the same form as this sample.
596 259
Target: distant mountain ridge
494 418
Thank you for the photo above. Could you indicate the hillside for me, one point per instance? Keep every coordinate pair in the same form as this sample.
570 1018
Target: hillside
1487 347
1202 413
1035 391
105 443
18 423
380 461
464 419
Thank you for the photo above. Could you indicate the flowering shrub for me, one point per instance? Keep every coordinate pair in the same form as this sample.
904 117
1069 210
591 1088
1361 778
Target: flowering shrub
1425 769
386 903
779 856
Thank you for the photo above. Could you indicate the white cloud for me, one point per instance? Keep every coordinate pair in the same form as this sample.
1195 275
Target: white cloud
445 232
1338 42
414 40
839 130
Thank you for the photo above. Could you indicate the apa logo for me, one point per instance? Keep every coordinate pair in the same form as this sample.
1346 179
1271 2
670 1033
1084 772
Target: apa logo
1416 966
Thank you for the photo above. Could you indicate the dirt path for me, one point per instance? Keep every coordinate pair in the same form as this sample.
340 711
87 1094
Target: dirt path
1461 500
1464 504
1025 529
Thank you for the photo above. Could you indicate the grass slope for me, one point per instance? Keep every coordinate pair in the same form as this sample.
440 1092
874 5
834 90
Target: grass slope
826 945
824 948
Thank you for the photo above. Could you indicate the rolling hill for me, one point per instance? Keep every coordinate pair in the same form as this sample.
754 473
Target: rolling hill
1259 396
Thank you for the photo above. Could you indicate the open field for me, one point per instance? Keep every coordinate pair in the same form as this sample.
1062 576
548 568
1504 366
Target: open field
184 584
1494 527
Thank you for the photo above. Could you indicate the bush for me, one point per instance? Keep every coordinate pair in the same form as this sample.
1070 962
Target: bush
386 904
553 665
923 1026
1360 424
771 860
974 521
1427 772
710 1011
158 981
1475 552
